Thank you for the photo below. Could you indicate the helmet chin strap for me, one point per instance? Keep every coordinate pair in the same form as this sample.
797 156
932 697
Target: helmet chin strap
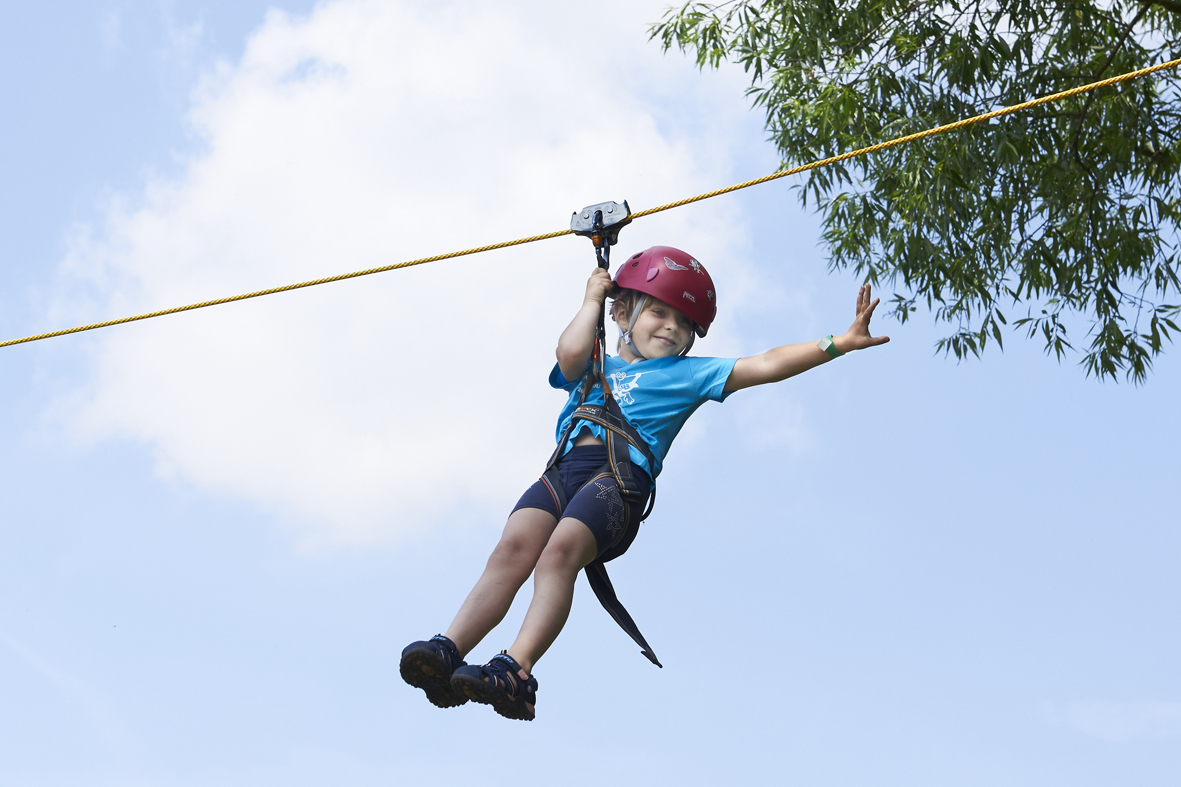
631 321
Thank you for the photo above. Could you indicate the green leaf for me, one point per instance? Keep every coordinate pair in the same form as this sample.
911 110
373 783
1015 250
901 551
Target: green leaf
1065 210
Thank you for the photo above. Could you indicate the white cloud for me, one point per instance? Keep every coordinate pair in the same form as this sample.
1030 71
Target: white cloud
1118 722
367 133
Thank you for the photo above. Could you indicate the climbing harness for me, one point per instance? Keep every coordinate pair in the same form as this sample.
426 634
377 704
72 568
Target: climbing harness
607 223
601 223
620 435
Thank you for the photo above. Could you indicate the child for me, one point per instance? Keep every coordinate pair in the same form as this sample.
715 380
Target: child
587 507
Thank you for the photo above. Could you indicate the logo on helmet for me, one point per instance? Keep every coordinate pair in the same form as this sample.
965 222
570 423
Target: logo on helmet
672 266
709 294
696 265
690 297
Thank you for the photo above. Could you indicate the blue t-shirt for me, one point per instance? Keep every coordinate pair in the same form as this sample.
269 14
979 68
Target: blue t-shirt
657 396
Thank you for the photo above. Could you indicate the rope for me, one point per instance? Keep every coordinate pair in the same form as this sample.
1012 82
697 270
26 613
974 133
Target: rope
285 288
648 212
996 113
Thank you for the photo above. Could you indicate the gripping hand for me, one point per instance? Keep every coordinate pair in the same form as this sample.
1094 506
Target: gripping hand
598 286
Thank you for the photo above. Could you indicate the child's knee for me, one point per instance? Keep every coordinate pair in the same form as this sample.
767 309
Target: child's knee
567 551
515 550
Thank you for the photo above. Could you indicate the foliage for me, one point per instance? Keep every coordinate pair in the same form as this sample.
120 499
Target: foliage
1068 213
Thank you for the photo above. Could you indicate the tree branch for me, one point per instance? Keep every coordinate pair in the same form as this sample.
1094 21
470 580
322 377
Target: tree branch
883 23
1169 5
1110 57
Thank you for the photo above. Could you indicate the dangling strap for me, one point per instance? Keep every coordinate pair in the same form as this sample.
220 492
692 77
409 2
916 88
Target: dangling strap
596 575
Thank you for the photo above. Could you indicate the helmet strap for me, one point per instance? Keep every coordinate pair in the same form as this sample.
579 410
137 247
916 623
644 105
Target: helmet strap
631 320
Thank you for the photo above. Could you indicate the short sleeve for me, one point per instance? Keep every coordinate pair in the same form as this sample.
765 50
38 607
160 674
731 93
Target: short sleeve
558 380
710 375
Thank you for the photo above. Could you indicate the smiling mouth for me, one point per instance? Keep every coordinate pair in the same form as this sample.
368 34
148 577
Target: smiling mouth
667 342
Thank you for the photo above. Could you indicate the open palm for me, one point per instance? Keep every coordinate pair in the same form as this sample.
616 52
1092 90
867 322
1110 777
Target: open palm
858 337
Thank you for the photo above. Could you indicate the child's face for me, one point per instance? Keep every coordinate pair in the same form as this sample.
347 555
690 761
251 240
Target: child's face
661 331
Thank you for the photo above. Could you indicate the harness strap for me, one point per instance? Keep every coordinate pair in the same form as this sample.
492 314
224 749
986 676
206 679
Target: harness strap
620 435
596 575
596 571
611 418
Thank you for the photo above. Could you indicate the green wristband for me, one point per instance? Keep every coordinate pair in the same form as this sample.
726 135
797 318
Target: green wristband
830 348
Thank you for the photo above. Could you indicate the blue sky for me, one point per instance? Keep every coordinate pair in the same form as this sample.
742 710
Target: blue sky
219 529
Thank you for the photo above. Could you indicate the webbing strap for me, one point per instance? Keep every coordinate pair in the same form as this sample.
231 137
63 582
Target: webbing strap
596 575
619 435
596 571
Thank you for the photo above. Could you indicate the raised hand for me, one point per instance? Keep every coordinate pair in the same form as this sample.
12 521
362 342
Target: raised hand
598 286
857 337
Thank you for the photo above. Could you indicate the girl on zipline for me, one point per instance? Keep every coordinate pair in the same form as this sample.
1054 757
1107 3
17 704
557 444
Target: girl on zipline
587 507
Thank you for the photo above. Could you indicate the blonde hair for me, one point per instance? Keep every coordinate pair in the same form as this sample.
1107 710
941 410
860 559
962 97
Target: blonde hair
628 300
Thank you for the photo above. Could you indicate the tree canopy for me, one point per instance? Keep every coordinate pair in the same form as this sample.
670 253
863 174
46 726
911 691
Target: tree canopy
1066 216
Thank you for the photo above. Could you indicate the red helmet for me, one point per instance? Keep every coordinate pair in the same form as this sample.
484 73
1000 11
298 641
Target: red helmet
675 278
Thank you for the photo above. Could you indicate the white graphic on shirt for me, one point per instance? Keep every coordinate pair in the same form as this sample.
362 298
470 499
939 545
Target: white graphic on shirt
623 388
672 266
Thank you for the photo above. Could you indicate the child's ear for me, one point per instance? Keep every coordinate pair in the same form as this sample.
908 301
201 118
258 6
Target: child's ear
618 313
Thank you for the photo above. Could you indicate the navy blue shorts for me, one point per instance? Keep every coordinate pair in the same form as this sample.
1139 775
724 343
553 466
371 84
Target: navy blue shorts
598 504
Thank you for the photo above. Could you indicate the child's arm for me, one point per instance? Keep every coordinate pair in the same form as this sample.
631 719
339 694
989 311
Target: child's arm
791 359
577 342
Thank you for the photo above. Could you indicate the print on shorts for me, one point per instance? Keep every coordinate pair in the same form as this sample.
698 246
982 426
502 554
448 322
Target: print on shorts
614 507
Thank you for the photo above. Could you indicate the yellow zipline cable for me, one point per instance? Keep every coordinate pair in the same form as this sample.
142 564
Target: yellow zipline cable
504 245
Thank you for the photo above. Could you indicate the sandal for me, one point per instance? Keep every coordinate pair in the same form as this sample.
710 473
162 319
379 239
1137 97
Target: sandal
499 684
428 666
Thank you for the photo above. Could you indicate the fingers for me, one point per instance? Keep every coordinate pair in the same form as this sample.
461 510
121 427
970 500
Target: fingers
865 313
859 331
864 294
598 285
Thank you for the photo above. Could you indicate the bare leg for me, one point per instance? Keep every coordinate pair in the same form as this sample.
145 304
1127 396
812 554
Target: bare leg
571 547
525 536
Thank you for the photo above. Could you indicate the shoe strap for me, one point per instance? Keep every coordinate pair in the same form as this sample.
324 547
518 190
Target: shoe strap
512 676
